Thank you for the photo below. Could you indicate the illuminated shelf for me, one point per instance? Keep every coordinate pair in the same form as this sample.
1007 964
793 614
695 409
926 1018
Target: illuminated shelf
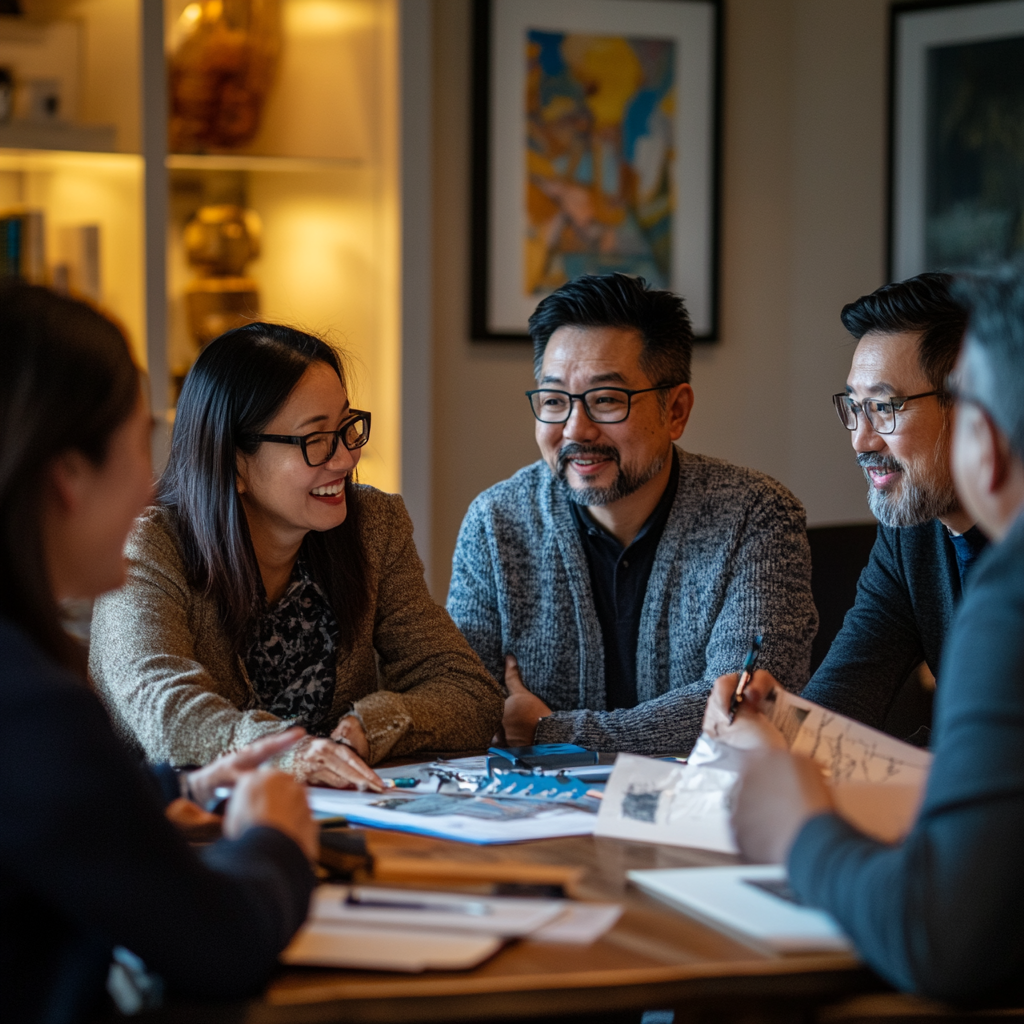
12 159
245 162
75 137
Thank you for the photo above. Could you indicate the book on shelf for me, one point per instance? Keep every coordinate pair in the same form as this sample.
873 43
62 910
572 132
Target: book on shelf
23 246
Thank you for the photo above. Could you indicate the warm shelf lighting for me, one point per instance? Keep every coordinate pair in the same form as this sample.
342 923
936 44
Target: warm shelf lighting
245 162
321 18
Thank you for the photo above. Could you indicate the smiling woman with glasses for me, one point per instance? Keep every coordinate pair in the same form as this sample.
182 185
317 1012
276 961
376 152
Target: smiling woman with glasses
267 589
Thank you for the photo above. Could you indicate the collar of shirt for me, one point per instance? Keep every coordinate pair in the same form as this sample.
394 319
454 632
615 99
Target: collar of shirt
618 577
968 546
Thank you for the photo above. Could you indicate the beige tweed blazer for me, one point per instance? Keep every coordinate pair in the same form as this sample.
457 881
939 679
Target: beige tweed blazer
163 665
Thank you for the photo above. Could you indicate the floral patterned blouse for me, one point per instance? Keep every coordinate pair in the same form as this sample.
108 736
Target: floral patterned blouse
292 658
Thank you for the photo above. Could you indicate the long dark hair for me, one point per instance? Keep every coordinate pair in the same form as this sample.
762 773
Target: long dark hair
234 389
67 383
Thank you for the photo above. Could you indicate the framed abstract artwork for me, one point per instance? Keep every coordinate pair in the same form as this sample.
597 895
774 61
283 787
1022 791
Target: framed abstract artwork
595 150
957 142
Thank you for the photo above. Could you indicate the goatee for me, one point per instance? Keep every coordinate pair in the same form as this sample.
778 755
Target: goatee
908 503
627 480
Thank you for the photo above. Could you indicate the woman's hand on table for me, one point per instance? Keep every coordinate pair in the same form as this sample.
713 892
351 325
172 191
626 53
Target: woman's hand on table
228 768
350 731
339 760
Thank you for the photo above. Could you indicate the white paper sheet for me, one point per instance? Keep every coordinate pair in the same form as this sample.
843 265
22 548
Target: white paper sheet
430 910
665 802
580 924
877 781
847 751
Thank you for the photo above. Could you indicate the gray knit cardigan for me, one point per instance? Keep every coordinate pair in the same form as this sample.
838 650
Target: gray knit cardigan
732 562
175 687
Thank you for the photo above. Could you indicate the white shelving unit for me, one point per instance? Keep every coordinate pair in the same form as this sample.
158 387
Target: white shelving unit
339 173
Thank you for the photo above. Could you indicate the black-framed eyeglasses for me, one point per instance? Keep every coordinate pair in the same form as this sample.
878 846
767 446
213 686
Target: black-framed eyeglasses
320 446
881 415
602 405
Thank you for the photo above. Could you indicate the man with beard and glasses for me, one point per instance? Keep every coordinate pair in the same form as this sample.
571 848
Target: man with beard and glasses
611 582
940 912
899 416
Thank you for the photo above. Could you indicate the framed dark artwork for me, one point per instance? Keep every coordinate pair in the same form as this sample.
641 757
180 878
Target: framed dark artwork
957 136
595 149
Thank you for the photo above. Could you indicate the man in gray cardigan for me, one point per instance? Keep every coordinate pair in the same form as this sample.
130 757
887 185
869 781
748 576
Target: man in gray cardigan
612 582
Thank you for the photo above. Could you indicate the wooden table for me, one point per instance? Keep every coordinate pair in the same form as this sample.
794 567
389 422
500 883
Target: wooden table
654 958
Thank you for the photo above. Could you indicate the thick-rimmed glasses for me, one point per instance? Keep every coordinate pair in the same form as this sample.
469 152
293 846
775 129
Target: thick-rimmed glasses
881 415
602 405
320 446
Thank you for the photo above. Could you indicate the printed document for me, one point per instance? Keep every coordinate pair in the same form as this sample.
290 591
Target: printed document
877 781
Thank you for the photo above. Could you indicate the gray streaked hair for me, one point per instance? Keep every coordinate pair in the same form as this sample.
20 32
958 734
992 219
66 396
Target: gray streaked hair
995 334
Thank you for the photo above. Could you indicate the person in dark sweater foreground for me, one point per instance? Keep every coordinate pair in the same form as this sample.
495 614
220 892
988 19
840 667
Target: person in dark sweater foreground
940 913
899 415
90 866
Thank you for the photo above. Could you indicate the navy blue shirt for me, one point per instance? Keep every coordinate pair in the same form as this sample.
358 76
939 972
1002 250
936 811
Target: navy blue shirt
907 596
618 577
967 546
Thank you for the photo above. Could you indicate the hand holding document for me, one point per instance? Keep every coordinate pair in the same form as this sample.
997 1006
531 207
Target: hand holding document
876 782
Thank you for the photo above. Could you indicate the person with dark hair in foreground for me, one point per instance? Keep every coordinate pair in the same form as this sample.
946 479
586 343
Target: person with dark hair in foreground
899 415
90 867
265 587
940 913
611 582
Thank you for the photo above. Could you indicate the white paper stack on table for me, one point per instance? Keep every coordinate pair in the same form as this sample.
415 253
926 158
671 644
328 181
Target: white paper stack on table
410 930
877 782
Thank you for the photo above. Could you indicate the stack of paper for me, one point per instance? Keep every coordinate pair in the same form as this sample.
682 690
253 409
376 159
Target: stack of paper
411 930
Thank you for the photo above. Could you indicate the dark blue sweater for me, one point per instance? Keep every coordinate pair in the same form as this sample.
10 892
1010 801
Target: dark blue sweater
88 862
941 913
907 596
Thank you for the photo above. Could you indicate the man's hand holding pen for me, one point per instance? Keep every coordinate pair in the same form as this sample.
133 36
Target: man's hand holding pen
716 714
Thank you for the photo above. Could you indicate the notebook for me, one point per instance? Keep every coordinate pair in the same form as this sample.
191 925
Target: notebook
752 904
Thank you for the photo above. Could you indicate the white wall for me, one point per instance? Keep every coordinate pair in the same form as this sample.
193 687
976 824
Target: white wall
803 232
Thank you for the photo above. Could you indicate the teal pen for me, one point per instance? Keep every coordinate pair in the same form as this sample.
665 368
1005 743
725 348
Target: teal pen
749 662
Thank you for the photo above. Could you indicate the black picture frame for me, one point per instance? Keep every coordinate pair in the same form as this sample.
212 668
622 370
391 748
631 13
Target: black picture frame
922 188
482 327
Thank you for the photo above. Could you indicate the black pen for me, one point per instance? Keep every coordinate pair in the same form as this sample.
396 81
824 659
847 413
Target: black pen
474 908
746 675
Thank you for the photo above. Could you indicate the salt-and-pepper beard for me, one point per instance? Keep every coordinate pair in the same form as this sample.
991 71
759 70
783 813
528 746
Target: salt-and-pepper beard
912 501
627 481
